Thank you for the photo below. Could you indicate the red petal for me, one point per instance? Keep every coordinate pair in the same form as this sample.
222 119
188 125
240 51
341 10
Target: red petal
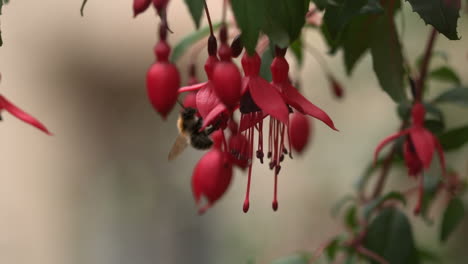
267 98
245 84
440 151
294 98
207 100
191 88
249 121
20 114
423 144
208 120
386 141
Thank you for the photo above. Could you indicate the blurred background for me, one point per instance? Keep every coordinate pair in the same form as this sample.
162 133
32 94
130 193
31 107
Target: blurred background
101 190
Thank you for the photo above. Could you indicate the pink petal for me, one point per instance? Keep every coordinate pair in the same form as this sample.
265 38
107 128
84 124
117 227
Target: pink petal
294 98
267 98
191 88
206 100
208 120
20 114
423 144
440 151
386 141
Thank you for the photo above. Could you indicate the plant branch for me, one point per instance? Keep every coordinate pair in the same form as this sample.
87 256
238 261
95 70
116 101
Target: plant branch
209 18
425 64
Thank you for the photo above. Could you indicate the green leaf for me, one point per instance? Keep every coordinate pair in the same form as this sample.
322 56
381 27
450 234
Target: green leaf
195 8
454 138
387 57
442 14
428 256
372 205
267 58
284 20
339 14
320 4
350 218
357 40
332 249
82 7
299 258
298 51
187 42
391 237
457 95
445 74
250 17
453 215
372 7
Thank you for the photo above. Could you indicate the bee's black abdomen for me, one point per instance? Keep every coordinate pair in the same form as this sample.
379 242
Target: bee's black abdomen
200 141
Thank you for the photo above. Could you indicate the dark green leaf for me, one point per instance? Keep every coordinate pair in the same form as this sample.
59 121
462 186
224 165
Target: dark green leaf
372 7
82 7
298 51
387 57
187 42
391 237
372 205
284 20
356 40
350 218
453 215
445 74
196 10
332 249
299 258
435 126
457 95
250 17
267 58
428 256
442 14
454 138
320 4
339 14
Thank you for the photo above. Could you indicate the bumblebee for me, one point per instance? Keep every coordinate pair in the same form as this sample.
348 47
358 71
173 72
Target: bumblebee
189 126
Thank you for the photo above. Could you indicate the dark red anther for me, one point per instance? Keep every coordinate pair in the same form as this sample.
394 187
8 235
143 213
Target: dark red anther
236 46
212 46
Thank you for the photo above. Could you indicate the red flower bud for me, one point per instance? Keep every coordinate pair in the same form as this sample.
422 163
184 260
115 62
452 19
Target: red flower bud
211 178
227 83
299 130
140 6
162 81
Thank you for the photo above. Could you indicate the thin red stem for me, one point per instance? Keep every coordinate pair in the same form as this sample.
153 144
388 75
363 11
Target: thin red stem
425 64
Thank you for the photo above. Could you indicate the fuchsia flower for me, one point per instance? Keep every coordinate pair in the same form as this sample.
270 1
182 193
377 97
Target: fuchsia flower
418 149
162 79
20 114
212 176
299 129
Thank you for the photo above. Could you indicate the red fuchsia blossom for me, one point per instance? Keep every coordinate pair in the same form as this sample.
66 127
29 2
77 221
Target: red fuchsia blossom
211 176
259 99
162 79
20 114
418 148
299 129
139 6
226 77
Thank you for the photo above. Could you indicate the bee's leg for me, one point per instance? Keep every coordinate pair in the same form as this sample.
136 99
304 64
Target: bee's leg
213 127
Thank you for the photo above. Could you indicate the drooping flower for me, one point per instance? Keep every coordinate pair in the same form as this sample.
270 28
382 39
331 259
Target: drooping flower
5 104
140 6
162 79
299 129
259 99
227 80
211 178
418 148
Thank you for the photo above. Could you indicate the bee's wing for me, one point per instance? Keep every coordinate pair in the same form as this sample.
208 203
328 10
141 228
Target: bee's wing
180 144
